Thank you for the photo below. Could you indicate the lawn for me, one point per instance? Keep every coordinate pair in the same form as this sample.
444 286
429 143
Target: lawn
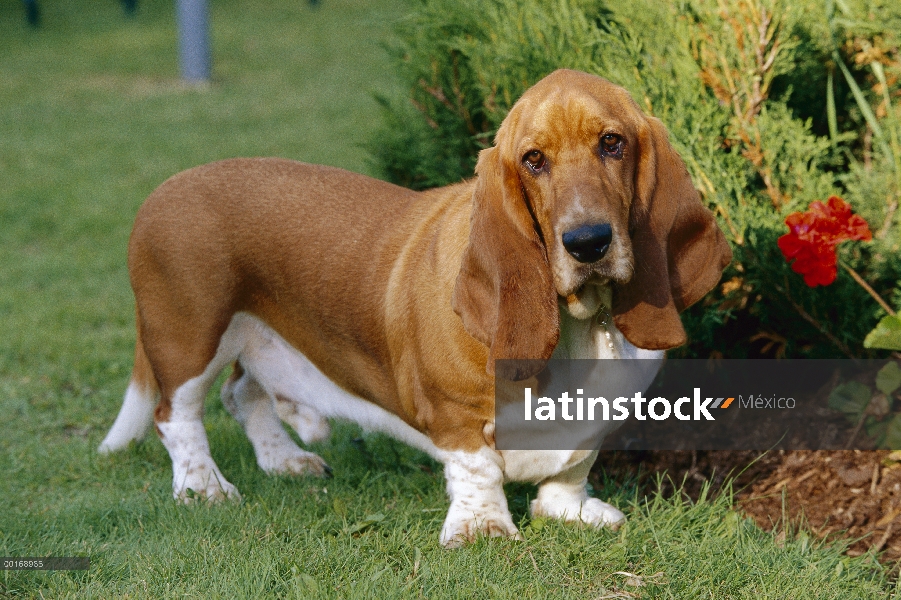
92 118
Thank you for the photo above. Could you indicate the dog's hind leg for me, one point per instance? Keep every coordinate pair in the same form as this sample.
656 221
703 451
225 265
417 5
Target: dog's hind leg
249 402
181 352
178 417
136 415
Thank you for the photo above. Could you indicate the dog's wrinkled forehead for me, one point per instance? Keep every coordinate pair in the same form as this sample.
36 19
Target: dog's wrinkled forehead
568 105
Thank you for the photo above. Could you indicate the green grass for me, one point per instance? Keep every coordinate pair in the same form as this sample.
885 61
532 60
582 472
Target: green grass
92 118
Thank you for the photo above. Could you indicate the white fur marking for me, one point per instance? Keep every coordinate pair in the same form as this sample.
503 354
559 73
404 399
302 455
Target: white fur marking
563 474
537 465
478 505
563 496
276 452
286 373
134 419
311 426
183 435
570 502
192 466
582 337
306 397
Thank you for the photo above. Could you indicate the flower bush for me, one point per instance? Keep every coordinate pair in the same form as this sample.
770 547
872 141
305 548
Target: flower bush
813 236
772 105
811 242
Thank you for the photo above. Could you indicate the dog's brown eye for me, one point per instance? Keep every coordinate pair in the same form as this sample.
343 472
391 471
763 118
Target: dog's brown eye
612 145
535 160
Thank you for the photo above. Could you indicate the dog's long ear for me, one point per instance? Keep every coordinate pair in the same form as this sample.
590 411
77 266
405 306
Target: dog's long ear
505 292
679 250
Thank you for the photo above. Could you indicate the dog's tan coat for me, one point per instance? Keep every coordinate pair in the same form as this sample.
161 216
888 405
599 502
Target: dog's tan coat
201 252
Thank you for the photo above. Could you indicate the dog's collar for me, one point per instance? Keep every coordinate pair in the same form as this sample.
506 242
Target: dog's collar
604 319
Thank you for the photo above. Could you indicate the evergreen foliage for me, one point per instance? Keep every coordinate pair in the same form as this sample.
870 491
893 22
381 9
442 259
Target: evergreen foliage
771 104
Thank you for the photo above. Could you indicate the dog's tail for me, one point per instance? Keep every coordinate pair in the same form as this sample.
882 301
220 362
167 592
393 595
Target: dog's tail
136 415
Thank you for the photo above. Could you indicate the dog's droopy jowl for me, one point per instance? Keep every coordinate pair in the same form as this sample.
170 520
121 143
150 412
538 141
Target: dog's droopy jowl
340 296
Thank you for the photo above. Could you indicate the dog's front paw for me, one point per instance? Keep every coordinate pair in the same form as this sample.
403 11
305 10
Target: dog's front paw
464 525
292 461
589 511
201 482
600 514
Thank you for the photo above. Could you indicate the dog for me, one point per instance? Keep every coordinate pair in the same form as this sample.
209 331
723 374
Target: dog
338 295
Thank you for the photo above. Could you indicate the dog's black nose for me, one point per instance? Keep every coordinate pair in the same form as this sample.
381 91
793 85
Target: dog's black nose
588 243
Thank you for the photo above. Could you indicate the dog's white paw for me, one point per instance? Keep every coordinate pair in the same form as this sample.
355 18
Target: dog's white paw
463 525
285 460
589 511
202 482
600 514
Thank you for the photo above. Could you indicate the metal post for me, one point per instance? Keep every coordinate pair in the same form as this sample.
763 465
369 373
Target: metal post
32 12
193 40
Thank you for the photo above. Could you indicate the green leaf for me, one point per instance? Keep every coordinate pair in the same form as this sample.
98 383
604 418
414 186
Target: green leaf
538 523
886 334
340 507
888 379
367 521
308 583
876 430
893 433
850 398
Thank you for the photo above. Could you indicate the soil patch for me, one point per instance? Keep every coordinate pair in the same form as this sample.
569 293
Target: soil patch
852 494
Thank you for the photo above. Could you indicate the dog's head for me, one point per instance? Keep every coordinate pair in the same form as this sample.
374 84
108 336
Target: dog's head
582 190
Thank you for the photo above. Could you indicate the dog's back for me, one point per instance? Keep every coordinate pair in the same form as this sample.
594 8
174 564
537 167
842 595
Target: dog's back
239 235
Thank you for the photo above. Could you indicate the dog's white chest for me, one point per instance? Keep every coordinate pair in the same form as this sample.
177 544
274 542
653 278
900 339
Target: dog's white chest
589 338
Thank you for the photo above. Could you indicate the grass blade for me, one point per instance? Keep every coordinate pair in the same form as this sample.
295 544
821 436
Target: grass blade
864 106
830 107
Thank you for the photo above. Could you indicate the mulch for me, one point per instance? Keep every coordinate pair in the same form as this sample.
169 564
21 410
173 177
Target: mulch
850 494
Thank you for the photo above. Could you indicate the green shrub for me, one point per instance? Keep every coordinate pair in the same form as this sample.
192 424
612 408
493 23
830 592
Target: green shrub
756 102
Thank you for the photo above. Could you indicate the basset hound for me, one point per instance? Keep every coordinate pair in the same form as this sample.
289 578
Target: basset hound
336 295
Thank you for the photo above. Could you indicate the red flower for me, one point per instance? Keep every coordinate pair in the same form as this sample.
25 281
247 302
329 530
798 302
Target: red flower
813 236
